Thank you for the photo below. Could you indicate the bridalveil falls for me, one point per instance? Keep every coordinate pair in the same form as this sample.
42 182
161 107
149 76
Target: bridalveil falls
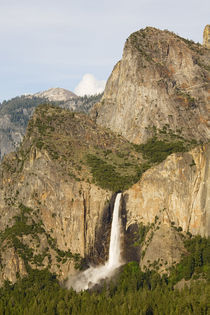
93 275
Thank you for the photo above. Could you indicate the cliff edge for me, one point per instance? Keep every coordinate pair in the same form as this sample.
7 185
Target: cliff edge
162 80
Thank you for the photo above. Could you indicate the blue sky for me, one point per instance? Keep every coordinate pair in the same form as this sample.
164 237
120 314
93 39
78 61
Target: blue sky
48 43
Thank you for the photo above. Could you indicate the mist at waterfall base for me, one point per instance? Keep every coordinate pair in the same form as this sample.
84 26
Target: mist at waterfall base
94 275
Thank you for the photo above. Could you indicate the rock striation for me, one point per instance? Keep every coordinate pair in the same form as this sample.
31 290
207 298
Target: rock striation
161 80
206 36
52 214
172 197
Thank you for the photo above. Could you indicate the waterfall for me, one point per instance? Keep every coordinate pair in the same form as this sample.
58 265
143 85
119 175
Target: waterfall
93 275
114 246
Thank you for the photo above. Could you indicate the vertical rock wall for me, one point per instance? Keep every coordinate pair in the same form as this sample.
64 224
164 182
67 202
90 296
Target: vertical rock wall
206 36
177 190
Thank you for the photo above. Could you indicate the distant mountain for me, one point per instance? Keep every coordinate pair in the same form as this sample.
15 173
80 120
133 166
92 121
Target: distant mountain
57 95
68 100
15 113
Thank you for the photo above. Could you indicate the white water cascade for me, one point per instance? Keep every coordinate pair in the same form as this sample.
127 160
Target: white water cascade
93 275
114 246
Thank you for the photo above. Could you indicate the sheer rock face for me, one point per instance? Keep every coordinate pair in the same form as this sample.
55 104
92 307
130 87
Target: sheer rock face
70 212
10 135
161 79
174 194
165 247
48 207
206 36
177 190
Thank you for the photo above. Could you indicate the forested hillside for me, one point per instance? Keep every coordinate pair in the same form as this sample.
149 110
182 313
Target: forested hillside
131 292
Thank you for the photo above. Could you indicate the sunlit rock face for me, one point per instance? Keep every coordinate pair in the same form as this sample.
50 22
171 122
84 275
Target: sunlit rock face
162 79
175 195
70 212
45 211
95 275
206 36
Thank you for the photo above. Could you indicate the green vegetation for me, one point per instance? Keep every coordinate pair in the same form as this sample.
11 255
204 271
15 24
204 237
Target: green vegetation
27 224
196 264
21 227
144 235
162 143
133 292
84 151
113 164
85 103
20 108
155 151
197 47
138 40
105 175
186 98
109 175
141 235
130 292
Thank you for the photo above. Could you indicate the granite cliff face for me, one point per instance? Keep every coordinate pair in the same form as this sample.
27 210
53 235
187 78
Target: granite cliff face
51 214
206 36
172 197
161 80
61 212
178 188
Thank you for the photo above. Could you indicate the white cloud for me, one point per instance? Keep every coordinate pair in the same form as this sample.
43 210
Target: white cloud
89 85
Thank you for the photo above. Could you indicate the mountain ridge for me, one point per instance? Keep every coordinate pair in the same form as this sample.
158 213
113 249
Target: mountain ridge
15 113
161 80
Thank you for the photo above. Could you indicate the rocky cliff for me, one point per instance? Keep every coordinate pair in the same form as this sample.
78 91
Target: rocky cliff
171 199
206 36
161 80
50 211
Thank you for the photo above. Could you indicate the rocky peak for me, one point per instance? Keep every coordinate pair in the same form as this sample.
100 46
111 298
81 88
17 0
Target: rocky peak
57 95
162 80
206 36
